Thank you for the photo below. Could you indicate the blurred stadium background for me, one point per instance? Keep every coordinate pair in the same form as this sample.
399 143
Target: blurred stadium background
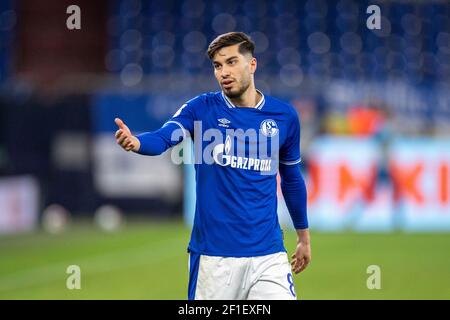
375 114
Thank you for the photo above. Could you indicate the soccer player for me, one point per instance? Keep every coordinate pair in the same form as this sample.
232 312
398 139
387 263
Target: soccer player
236 249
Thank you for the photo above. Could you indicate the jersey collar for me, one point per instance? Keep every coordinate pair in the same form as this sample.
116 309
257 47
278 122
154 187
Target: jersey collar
231 105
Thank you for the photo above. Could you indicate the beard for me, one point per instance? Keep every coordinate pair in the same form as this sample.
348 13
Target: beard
237 93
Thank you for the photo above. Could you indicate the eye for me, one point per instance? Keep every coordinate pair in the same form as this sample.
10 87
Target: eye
232 62
217 66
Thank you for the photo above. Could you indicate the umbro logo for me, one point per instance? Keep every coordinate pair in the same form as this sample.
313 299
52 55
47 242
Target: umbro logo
224 122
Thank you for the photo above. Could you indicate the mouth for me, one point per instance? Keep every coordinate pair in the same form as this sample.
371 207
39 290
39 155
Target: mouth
227 84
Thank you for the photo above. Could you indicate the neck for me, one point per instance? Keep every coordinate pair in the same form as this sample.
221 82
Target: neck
248 99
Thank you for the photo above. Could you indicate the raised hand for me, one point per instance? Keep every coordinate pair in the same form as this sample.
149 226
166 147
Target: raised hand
124 137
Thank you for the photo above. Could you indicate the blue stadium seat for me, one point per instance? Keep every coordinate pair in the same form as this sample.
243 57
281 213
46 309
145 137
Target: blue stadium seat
408 43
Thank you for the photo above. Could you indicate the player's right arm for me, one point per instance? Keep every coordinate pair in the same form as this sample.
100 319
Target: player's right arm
156 142
124 138
149 143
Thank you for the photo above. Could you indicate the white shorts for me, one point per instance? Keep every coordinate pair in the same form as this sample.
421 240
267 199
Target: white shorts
255 278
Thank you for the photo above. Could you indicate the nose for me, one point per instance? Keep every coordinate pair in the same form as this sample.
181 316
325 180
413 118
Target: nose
224 72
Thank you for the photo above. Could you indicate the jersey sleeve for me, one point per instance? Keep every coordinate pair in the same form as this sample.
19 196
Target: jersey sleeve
185 116
290 150
175 130
294 192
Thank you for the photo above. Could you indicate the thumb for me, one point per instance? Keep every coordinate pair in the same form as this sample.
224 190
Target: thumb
119 123
122 126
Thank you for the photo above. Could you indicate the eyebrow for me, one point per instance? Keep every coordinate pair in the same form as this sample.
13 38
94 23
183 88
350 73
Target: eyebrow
230 58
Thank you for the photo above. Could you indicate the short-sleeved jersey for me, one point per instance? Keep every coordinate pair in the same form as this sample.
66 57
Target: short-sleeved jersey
237 153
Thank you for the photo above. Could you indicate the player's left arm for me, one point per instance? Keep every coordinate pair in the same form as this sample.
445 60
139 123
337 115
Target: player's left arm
294 191
302 255
295 195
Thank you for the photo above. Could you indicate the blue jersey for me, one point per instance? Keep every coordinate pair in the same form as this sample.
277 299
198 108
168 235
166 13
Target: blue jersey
236 208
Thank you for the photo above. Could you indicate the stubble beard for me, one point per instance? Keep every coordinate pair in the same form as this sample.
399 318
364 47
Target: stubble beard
237 94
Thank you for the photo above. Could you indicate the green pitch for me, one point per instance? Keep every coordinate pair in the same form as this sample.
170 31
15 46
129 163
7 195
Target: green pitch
149 261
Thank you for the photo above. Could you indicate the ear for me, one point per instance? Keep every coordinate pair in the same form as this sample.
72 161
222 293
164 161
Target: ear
253 65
